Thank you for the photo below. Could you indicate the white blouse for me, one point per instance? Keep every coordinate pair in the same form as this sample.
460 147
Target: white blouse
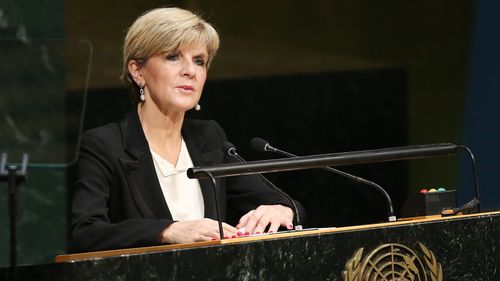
182 194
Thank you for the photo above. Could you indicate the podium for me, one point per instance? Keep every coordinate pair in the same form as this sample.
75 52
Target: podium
465 247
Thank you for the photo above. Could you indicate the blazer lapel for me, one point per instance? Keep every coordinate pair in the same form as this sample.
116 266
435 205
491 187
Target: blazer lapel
140 170
201 156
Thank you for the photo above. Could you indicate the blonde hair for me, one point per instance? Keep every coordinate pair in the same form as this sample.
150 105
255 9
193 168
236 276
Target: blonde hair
165 30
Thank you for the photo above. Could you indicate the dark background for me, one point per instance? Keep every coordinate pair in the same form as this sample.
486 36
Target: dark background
315 77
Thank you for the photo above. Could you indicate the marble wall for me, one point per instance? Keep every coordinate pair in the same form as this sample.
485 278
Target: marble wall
42 200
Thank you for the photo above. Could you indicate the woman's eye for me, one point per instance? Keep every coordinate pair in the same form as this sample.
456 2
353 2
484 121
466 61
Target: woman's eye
172 57
199 61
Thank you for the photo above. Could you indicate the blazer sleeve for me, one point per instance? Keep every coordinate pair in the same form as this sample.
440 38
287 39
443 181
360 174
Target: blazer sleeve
245 193
91 227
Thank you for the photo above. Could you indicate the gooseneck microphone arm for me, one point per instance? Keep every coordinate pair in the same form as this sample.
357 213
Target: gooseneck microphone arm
264 146
231 150
474 173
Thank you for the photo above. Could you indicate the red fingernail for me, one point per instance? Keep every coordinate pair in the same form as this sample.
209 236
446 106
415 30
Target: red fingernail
234 236
257 232
239 233
214 239
247 233
226 237
270 231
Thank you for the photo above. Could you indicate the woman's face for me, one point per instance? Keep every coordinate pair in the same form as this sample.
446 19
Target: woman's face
174 82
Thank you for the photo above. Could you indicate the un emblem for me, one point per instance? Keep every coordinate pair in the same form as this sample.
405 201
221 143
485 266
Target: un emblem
393 262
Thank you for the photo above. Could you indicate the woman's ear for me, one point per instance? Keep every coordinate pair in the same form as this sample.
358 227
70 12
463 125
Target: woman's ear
135 70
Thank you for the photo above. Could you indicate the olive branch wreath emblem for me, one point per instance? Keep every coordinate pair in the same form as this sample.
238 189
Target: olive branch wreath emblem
393 262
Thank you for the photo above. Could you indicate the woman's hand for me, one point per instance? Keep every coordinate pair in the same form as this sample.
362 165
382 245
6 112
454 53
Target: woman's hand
273 216
194 231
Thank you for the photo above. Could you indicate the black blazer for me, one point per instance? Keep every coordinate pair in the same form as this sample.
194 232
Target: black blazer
118 202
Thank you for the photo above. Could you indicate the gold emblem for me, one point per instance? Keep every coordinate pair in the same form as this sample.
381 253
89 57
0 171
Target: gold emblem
393 262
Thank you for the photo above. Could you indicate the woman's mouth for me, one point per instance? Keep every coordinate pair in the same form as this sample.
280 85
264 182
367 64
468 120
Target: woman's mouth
186 87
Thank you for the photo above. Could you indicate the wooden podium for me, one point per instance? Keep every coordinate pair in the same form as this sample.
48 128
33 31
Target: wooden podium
465 247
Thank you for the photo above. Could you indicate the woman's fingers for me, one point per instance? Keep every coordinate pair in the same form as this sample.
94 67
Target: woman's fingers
274 227
252 220
229 231
272 216
194 231
244 219
255 221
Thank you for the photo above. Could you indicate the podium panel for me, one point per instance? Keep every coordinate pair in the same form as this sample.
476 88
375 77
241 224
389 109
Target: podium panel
432 248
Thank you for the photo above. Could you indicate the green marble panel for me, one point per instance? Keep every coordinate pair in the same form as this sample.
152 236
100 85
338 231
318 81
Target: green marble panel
42 200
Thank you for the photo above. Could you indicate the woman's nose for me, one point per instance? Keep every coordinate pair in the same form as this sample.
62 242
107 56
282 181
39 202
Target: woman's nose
188 68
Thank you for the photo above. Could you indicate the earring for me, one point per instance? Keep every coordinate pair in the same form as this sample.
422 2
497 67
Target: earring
141 93
197 107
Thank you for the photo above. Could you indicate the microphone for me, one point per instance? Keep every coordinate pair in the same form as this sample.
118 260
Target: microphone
264 146
231 150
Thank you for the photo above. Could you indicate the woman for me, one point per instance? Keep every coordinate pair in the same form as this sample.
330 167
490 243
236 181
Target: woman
132 189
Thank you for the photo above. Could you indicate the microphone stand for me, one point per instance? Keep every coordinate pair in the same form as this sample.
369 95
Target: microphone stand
392 216
14 177
216 200
297 221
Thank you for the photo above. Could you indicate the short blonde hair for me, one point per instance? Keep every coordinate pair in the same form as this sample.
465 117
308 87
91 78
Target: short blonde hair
165 30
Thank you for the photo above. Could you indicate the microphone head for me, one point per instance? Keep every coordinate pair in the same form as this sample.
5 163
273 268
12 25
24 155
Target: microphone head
229 148
260 144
